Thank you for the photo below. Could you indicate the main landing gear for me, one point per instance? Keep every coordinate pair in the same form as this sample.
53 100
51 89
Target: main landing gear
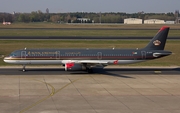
24 68
89 70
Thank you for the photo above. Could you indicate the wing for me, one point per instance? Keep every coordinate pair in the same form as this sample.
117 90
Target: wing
75 65
93 63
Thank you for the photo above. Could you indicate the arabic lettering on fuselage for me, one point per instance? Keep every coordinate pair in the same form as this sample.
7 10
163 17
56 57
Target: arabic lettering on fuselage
49 53
72 52
41 53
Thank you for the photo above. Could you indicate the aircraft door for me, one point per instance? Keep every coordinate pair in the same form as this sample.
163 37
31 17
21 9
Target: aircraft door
57 54
143 53
23 54
99 55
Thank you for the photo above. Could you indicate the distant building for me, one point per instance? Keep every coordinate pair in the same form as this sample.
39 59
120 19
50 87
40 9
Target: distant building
170 22
154 21
83 20
132 21
6 23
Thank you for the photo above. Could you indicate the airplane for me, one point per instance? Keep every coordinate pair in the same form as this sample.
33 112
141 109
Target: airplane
86 59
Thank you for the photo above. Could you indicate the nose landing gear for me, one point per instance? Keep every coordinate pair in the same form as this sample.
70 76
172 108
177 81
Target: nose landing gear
24 68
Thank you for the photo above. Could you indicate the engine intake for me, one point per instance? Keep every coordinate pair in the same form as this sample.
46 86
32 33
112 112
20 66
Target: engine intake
74 67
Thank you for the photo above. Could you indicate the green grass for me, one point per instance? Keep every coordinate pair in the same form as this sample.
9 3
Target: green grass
7 46
96 25
60 32
20 32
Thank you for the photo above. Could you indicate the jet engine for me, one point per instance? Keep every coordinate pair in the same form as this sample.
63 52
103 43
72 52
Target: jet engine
74 67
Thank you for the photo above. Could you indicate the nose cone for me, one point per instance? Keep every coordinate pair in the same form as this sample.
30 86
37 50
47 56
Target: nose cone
7 59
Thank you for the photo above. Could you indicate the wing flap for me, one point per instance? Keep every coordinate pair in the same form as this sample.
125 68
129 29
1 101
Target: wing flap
93 62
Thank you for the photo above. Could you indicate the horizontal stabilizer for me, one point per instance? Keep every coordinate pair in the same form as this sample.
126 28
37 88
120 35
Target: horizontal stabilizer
161 54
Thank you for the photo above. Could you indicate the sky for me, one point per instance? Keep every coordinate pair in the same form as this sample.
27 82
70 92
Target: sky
63 6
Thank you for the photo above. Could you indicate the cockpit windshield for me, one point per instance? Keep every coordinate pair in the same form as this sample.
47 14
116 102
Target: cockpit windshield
12 54
15 53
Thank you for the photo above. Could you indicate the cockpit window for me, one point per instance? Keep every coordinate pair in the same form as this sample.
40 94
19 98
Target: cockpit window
13 54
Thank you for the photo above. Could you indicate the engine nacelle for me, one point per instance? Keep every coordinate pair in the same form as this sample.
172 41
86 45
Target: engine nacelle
74 67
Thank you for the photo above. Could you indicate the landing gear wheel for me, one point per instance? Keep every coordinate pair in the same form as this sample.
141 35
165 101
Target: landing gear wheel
24 68
90 70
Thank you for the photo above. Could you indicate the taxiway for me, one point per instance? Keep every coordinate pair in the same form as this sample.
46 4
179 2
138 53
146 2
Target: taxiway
106 71
125 90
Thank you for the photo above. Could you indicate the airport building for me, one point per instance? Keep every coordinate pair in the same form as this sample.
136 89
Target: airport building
170 22
132 21
154 21
83 19
149 21
6 23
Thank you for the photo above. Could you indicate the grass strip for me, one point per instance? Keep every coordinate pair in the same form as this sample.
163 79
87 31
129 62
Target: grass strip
55 32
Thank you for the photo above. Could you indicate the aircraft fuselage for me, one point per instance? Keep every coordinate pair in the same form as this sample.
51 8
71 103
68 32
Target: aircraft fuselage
62 56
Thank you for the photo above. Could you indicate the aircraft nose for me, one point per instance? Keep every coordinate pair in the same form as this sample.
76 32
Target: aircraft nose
6 58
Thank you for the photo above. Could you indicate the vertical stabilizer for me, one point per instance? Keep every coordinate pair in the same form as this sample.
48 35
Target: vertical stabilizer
159 40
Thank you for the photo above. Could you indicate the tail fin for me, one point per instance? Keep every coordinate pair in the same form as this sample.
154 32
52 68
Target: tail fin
159 40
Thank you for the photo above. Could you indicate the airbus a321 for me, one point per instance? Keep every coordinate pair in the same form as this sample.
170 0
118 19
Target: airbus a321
86 59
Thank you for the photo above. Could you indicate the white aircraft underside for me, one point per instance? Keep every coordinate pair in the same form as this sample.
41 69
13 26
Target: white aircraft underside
52 62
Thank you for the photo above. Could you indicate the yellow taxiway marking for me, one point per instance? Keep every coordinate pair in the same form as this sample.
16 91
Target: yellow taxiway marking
41 100
53 92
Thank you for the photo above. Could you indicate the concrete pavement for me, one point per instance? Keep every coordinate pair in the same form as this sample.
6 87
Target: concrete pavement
88 93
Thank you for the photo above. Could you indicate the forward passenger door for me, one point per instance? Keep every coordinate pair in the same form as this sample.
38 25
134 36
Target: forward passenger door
23 54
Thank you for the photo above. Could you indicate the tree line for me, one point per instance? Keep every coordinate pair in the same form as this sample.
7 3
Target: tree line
39 16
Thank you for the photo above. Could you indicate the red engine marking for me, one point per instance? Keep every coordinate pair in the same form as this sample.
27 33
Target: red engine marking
69 65
116 62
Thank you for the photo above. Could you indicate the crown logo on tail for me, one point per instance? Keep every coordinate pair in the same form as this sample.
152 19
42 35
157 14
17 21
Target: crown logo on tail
157 42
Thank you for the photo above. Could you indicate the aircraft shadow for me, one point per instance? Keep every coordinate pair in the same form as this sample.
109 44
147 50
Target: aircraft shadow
117 72
103 72
99 70
142 69
59 71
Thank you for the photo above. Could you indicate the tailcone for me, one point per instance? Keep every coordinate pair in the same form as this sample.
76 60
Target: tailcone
162 53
